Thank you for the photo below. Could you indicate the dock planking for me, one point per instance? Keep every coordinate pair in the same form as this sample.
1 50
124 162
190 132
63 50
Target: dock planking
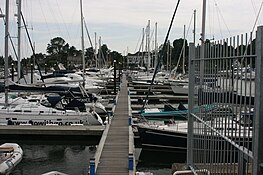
114 154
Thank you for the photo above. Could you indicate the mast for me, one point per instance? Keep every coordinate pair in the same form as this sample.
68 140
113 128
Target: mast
168 54
194 26
6 50
19 39
142 47
82 42
148 46
156 47
100 53
96 57
184 53
202 53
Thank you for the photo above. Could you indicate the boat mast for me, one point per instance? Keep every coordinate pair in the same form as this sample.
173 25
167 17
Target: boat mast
96 57
168 54
142 62
148 46
100 54
6 50
19 39
156 51
202 53
194 32
184 53
82 42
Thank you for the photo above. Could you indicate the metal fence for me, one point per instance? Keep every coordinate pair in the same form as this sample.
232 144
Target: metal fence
225 83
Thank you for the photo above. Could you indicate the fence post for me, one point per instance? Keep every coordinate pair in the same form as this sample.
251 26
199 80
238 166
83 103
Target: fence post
258 122
92 166
190 104
130 161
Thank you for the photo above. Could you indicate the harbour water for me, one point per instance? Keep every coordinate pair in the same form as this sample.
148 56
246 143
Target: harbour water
65 155
72 157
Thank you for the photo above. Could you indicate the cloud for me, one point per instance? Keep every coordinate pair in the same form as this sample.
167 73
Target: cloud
120 22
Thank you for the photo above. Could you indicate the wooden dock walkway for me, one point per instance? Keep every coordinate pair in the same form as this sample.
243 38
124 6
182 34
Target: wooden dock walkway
115 152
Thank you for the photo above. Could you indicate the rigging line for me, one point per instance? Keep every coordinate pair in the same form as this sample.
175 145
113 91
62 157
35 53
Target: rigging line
162 53
254 26
141 47
65 24
210 18
33 50
11 41
49 33
223 19
137 44
180 56
255 11
53 15
87 31
219 24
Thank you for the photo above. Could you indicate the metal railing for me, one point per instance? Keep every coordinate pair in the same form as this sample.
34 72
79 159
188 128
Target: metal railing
228 138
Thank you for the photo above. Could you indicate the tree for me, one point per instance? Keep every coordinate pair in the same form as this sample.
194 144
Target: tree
114 55
89 55
57 46
177 52
58 51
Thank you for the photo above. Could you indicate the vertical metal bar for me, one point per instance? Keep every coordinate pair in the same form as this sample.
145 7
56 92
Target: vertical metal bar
190 138
6 50
258 124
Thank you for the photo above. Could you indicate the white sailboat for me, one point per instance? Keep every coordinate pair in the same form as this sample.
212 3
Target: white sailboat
34 113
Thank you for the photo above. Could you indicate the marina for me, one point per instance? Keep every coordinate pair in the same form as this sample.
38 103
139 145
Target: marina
181 106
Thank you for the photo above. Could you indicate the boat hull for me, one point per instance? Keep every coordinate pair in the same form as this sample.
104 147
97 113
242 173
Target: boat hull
11 159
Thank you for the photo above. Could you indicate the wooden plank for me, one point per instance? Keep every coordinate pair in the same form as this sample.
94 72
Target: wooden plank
114 156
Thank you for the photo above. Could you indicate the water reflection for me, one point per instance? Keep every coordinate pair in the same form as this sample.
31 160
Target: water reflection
41 157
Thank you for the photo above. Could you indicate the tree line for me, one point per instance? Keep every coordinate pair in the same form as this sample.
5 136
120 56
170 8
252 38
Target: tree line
59 51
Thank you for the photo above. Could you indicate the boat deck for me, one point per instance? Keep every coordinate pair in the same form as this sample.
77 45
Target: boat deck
115 151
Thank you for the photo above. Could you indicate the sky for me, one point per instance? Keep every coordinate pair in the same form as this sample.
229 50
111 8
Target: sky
119 23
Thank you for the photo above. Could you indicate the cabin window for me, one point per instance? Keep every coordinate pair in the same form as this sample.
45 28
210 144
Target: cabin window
14 118
27 111
18 110
54 112
59 119
41 112
33 100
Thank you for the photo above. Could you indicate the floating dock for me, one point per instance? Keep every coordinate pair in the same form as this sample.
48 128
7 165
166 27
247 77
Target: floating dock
115 153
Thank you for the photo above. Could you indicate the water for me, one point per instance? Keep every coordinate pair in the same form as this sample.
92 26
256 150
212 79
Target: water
72 157
159 162
42 156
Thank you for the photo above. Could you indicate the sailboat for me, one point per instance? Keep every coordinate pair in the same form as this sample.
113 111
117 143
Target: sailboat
179 82
35 113
173 136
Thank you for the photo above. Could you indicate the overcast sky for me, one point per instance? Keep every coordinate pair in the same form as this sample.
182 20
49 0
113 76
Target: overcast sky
120 22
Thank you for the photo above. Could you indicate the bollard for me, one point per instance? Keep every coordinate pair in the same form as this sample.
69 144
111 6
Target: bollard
92 166
12 71
32 69
130 120
130 161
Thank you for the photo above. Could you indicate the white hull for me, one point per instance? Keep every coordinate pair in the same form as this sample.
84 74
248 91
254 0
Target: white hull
36 114
9 160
